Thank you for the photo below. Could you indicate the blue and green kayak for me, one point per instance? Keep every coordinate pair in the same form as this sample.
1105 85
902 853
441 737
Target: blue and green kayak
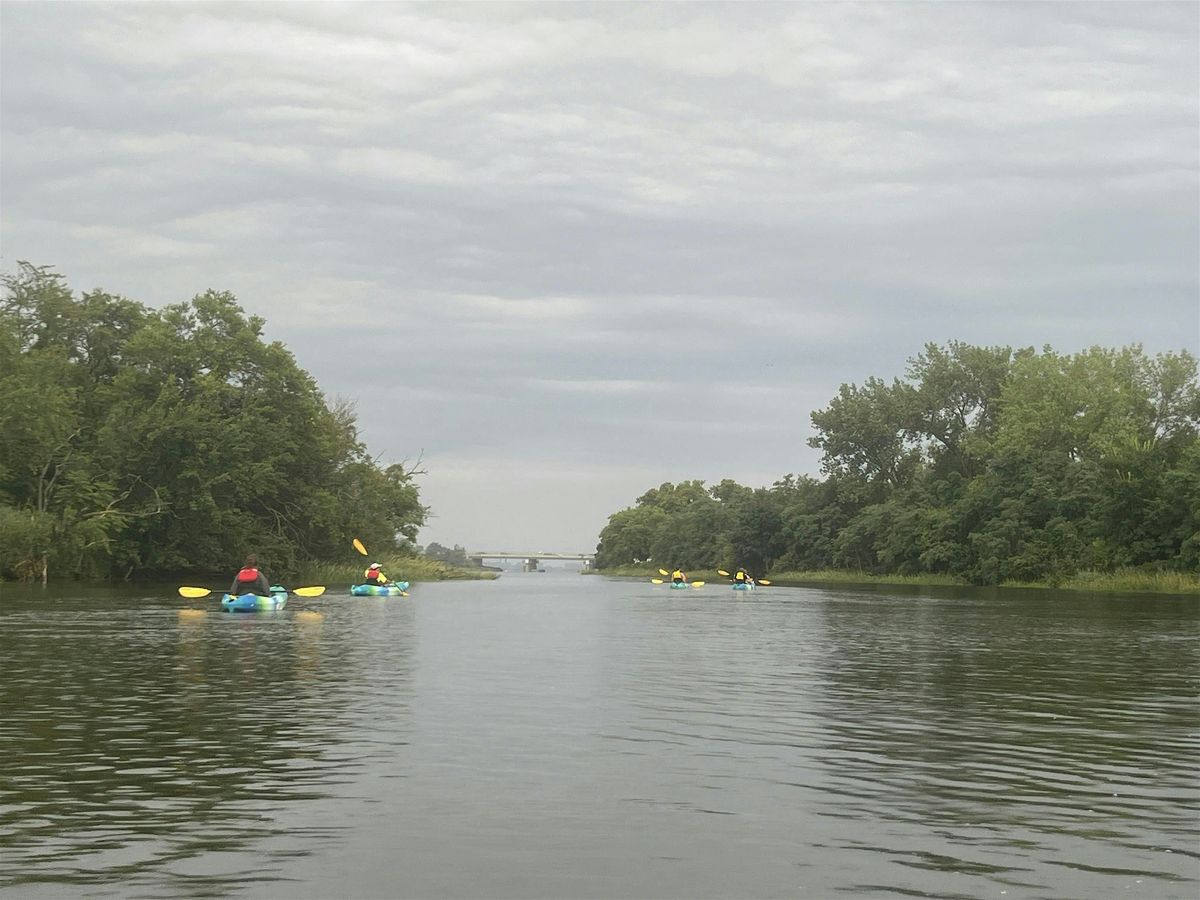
277 599
743 586
379 590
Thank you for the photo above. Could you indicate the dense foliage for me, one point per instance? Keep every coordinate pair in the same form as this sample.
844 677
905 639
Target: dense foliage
135 440
982 462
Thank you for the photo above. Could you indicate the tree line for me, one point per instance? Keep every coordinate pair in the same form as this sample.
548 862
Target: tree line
985 463
454 556
154 441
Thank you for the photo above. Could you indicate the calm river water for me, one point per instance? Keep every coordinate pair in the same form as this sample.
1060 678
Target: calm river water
552 735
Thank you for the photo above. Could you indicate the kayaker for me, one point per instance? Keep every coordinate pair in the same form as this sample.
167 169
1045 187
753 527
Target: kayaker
374 575
677 577
742 577
250 580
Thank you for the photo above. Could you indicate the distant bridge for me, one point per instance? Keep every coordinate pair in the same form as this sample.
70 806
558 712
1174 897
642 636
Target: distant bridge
530 558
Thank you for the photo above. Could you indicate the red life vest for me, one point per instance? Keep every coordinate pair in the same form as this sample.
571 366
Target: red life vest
247 575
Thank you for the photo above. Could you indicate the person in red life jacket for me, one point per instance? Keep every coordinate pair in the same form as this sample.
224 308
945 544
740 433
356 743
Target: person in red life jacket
250 580
374 575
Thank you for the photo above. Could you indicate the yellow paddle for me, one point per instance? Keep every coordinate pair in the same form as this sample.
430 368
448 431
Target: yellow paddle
197 592
697 584
663 572
722 572
194 592
656 581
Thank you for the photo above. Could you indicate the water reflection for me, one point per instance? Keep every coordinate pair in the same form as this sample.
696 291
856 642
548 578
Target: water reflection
923 743
554 736
148 745
1027 735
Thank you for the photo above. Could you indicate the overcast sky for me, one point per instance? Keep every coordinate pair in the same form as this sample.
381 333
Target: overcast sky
563 253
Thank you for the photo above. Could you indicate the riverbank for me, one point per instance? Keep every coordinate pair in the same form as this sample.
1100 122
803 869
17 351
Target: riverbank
399 568
1121 581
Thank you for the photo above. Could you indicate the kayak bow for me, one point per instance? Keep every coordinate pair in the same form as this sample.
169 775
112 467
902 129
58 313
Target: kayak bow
396 588
277 599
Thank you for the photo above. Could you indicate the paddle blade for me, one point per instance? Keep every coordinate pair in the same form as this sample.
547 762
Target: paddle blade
194 592
722 572
309 591
697 584
359 547
763 581
656 581
663 572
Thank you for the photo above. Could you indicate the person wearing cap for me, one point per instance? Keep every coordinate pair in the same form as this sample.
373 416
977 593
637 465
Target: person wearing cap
374 575
677 577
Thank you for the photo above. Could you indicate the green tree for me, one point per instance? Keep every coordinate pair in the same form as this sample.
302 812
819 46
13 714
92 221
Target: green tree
983 462
953 405
455 556
862 434
174 440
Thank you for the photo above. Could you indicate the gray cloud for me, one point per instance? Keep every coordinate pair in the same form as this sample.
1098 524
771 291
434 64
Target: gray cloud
607 245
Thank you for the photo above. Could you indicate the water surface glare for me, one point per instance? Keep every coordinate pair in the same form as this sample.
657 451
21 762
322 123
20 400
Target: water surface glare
553 735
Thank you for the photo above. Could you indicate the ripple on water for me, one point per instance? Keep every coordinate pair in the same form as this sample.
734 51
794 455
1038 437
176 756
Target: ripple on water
577 737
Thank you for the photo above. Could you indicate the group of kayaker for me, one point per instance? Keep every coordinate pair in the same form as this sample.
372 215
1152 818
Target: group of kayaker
251 579
740 576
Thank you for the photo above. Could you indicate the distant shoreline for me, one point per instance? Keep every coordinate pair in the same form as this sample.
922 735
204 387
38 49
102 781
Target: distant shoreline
1127 581
405 568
